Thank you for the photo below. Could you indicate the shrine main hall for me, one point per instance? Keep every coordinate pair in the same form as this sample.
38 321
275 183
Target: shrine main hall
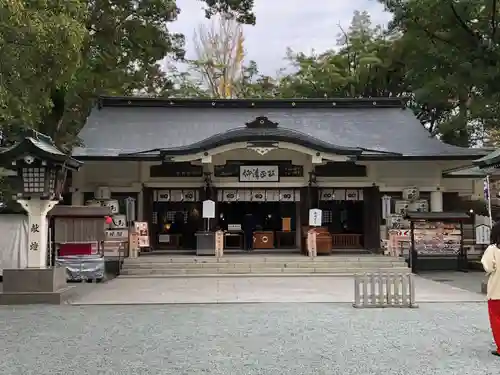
273 159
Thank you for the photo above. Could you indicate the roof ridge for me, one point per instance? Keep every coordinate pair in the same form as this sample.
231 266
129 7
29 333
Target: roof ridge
291 103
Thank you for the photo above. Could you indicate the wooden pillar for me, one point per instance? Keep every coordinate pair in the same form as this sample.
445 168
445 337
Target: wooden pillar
304 215
314 198
372 217
149 215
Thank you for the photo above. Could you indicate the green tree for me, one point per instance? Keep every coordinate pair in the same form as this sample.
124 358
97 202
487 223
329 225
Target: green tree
365 63
118 54
253 84
40 49
454 66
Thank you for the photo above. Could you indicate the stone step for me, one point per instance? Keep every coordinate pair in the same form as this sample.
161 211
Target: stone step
258 271
265 265
207 259
238 275
258 259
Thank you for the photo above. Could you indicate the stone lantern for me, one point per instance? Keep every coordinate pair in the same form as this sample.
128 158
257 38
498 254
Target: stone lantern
41 173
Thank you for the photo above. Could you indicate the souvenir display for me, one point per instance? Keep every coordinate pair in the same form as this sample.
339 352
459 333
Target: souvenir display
436 238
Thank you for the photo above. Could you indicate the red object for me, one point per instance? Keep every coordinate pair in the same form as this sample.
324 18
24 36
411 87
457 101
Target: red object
109 220
67 249
494 313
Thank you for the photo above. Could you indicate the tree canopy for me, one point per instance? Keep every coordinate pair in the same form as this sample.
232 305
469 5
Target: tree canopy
57 56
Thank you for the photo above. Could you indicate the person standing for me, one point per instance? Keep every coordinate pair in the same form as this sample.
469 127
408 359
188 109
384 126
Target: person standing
192 226
491 263
248 228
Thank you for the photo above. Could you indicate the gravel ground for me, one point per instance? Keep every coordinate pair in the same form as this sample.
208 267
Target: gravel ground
236 339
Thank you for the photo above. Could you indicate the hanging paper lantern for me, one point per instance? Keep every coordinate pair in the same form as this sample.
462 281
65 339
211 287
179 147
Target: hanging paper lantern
108 220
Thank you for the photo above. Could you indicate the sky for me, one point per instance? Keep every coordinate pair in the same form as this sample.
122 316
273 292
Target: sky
284 23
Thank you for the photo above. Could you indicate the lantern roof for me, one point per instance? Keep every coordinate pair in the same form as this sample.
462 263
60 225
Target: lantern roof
39 146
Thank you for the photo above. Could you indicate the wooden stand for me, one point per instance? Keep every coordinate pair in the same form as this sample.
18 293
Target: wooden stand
263 240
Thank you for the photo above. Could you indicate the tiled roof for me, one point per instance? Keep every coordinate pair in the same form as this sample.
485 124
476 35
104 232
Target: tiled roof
130 125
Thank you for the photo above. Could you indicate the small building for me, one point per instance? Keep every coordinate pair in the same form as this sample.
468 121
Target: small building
275 159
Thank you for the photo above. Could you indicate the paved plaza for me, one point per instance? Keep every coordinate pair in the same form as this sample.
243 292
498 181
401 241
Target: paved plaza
252 290
172 326
246 339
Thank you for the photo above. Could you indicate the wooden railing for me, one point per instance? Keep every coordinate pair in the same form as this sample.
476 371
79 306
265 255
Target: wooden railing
346 241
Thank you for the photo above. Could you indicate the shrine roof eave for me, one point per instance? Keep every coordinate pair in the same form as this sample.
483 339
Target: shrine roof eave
264 136
489 160
465 172
157 154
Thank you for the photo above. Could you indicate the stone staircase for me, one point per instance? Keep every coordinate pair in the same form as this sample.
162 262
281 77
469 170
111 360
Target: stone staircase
258 265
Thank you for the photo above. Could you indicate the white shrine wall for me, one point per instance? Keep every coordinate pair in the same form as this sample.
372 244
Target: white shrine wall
390 176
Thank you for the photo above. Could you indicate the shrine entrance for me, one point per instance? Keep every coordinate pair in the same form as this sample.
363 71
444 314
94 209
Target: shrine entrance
344 216
272 221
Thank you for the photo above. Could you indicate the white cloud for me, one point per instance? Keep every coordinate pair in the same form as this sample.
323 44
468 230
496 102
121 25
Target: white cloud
284 23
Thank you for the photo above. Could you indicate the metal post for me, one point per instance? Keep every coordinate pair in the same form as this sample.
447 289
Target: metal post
462 262
487 192
413 252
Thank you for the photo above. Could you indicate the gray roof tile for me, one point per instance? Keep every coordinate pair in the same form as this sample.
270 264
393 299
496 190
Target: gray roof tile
111 131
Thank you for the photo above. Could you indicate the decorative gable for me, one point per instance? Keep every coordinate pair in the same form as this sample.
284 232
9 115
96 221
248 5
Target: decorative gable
262 122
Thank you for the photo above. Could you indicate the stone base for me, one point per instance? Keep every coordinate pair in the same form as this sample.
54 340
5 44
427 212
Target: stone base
34 285
35 298
34 280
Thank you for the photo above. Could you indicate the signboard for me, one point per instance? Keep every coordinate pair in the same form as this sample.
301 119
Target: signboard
219 243
163 196
259 195
116 234
326 195
352 195
386 206
230 196
287 196
315 216
399 242
312 243
133 245
113 205
118 221
483 233
208 209
141 228
188 195
437 238
130 209
259 173
176 195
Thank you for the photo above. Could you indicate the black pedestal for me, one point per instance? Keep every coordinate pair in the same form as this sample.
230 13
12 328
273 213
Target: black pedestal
205 243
